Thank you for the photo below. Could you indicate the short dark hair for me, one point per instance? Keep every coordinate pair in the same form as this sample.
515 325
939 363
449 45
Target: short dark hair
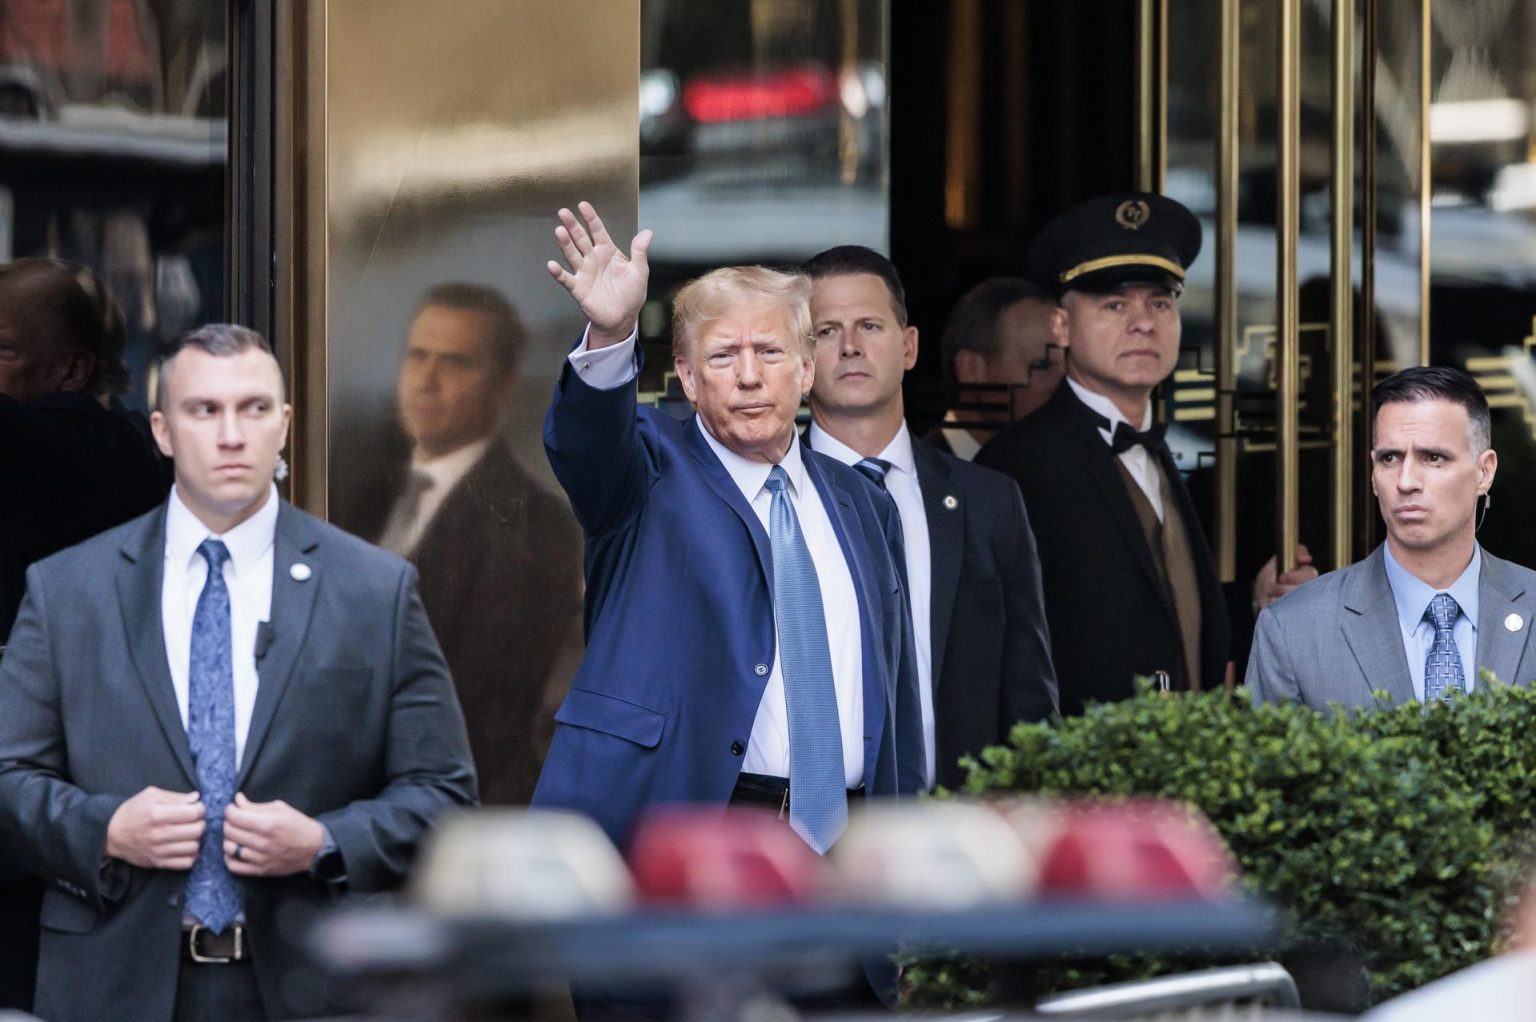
221 339
1438 383
847 260
507 335
71 308
972 324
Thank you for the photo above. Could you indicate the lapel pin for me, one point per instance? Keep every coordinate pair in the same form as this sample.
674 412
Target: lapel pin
300 572
1514 622
950 502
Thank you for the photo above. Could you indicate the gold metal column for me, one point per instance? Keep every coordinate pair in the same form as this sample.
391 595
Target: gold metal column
1287 334
1151 94
1226 294
1341 319
1426 29
1368 526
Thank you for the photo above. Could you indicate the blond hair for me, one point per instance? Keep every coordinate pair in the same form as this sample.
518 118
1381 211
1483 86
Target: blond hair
715 294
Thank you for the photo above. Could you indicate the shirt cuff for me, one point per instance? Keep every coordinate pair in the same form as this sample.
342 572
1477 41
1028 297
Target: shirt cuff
606 368
328 865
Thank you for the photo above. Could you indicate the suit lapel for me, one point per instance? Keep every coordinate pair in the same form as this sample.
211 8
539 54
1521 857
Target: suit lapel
1372 631
1499 649
946 549
839 506
139 587
293 602
726 489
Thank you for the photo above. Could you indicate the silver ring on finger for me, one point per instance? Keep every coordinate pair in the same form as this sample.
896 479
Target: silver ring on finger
239 855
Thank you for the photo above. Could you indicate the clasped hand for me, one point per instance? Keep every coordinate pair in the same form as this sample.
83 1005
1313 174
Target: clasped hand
159 829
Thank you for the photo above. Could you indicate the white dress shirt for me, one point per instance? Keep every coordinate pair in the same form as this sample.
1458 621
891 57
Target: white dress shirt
961 443
904 488
768 748
1136 460
248 575
1413 595
446 472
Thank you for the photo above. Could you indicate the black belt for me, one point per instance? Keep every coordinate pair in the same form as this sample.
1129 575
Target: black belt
772 792
200 944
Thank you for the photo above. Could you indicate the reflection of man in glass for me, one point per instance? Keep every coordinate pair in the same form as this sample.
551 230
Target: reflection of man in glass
499 557
998 334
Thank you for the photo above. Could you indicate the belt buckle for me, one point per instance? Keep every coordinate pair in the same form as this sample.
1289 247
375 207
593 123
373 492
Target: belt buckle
197 956
784 805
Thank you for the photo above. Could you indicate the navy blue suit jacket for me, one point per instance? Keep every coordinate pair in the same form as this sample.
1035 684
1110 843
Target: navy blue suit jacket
679 615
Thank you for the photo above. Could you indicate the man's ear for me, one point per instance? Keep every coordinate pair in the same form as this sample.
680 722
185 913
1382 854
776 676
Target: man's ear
1487 467
909 345
78 372
970 367
157 426
1059 328
685 377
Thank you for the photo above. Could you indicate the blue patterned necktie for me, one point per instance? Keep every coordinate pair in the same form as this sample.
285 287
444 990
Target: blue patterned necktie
875 469
818 796
1442 668
213 896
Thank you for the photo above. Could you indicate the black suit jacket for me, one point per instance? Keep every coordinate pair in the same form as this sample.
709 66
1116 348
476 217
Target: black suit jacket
1111 619
500 567
69 469
990 646
355 723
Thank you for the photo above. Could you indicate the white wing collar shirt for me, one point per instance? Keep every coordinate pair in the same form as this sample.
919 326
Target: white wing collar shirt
1136 460
905 490
1412 596
247 573
768 748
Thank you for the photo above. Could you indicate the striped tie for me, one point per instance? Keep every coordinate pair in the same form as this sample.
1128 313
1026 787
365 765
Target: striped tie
818 795
875 469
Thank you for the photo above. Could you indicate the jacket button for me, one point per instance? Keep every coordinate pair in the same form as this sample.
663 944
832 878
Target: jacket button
761 669
737 748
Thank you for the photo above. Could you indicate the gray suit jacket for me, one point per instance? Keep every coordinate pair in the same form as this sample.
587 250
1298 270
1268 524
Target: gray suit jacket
355 723
1337 638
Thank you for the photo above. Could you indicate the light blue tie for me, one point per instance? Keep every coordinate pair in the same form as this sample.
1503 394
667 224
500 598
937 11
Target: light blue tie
818 796
213 896
1442 668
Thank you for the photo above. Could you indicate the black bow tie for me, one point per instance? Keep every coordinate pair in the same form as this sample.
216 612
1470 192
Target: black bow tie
1125 437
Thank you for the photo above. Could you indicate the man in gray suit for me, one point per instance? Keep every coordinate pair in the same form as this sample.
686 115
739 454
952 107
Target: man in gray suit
215 719
1429 612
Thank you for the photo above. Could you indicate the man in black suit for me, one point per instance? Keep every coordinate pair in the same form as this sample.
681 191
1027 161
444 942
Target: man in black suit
499 557
984 658
213 720
1130 588
73 463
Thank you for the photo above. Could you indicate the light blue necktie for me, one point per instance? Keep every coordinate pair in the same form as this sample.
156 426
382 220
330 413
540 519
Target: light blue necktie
1442 668
818 796
214 897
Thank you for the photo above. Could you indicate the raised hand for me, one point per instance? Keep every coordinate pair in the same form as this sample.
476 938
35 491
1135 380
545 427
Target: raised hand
609 287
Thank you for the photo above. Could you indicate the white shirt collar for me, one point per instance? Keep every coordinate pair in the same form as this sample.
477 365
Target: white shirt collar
446 470
1412 594
750 475
898 452
1105 407
246 542
961 443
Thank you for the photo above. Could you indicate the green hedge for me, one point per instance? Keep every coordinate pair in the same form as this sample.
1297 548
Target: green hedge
1401 830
